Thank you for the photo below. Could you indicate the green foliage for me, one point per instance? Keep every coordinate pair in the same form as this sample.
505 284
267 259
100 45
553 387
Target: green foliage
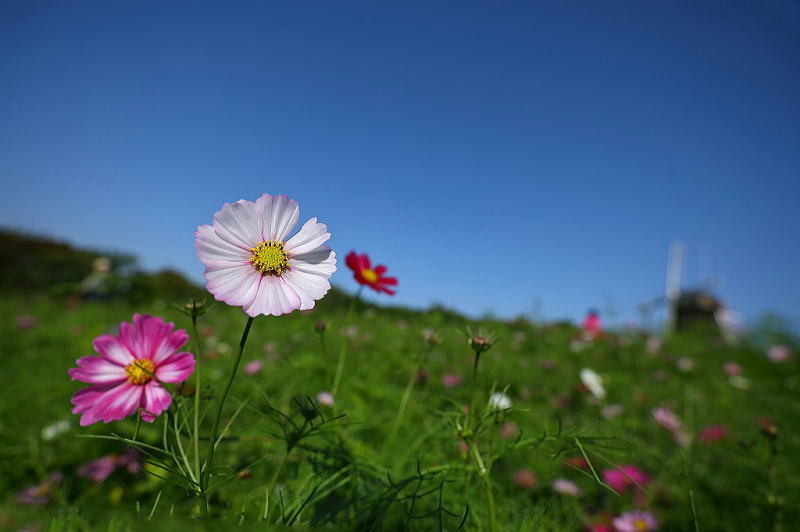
339 467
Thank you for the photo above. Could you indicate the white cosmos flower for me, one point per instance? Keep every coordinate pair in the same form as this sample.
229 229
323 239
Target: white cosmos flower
499 401
250 262
593 382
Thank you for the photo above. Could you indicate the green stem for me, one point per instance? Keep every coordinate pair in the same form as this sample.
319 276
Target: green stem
277 472
483 472
343 346
473 399
198 354
406 396
212 444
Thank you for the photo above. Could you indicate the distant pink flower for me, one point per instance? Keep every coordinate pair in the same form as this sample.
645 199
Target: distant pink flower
667 419
779 353
100 469
40 493
509 430
577 462
566 487
713 433
732 368
653 345
592 324
624 477
25 322
451 380
548 365
524 479
325 399
635 521
250 263
122 377
253 367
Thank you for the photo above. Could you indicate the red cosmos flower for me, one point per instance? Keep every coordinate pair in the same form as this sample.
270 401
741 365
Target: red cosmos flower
365 274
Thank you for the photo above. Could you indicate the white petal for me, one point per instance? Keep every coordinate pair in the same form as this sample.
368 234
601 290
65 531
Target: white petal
279 215
235 285
310 278
213 250
309 237
239 224
320 261
274 298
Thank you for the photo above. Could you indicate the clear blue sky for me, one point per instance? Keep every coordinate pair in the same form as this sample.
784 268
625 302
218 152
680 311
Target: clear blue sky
488 154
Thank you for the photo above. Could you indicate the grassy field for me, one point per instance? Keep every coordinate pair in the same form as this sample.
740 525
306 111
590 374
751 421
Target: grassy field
365 470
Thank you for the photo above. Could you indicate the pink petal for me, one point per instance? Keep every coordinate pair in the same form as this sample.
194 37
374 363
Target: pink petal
113 349
274 298
213 250
239 224
97 370
154 401
236 285
311 236
169 345
106 402
176 368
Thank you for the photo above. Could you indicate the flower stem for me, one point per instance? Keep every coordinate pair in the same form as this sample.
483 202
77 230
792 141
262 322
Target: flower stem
406 396
197 351
473 394
343 346
212 444
483 472
277 472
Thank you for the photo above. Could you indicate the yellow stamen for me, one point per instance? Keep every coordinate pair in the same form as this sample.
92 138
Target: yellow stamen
369 275
640 524
270 258
140 371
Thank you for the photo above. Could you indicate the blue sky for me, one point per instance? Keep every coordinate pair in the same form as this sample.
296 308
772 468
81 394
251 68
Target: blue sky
489 154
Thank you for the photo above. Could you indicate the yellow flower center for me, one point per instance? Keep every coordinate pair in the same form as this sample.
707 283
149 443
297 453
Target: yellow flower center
640 524
140 371
369 275
270 258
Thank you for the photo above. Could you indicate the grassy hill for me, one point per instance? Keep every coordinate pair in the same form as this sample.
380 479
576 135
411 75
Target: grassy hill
366 470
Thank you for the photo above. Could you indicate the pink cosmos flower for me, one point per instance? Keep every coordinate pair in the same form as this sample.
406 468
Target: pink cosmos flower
451 380
250 262
524 479
122 377
100 469
42 492
732 369
624 477
253 367
667 419
509 430
566 487
713 433
635 521
779 353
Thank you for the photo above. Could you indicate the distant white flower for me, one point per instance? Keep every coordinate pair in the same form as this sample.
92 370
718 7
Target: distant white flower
685 364
593 382
737 381
51 431
325 399
499 401
610 411
566 487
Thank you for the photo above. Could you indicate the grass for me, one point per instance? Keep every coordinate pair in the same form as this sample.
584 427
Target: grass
369 471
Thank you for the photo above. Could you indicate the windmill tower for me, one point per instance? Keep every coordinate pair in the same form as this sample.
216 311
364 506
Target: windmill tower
673 282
